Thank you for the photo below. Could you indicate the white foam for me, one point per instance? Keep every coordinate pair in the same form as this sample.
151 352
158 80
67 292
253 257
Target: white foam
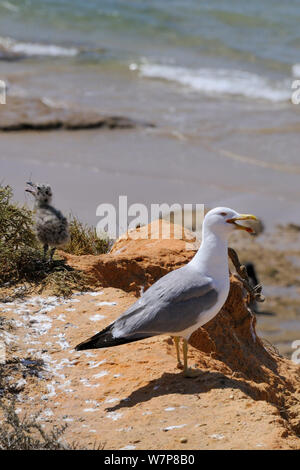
220 81
296 70
36 49
10 6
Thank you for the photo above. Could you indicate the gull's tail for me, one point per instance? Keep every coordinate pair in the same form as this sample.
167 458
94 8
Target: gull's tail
105 339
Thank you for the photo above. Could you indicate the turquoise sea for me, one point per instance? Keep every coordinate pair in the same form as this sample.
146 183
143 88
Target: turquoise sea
229 47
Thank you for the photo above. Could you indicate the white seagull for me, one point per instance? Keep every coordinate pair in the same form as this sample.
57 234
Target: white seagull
186 298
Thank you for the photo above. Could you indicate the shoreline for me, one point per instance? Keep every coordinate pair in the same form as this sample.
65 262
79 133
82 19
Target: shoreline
133 163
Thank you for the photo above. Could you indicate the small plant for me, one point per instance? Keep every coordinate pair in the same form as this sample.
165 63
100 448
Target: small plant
27 433
21 255
64 282
18 243
85 241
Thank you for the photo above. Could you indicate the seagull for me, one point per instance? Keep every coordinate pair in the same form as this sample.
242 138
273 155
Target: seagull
184 299
51 226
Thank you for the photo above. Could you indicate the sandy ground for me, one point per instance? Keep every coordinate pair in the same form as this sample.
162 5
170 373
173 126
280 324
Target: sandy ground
132 396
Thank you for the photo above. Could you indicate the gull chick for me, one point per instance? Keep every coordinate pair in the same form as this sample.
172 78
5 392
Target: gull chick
186 298
51 225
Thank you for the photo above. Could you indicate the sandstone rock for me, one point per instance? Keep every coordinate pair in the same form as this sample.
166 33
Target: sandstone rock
247 396
136 261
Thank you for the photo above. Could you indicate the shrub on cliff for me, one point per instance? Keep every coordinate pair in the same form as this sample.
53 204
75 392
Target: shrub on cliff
21 255
84 240
18 244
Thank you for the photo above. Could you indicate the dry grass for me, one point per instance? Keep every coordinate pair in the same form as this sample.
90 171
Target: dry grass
18 245
85 241
27 433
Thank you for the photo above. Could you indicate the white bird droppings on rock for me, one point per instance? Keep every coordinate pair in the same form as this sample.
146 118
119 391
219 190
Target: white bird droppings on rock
93 364
97 317
101 374
114 415
178 426
217 436
100 304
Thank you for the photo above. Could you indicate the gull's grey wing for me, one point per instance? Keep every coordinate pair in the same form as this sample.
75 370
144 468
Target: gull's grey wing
171 305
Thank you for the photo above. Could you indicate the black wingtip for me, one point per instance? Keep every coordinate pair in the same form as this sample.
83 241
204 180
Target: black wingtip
83 346
97 341
105 339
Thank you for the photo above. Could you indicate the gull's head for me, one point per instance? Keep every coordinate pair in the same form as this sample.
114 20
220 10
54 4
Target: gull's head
41 192
223 221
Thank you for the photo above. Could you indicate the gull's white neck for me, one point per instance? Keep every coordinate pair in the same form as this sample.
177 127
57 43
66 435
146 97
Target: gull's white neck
212 256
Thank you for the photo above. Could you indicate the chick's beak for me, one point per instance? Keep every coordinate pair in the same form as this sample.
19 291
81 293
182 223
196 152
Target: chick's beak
242 217
31 188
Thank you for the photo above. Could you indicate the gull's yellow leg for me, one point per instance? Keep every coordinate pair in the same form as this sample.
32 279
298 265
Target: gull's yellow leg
176 341
190 373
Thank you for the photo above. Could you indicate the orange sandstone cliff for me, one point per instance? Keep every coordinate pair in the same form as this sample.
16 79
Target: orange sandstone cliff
133 396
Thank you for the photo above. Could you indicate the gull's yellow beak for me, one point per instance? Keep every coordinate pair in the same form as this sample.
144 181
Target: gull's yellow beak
242 217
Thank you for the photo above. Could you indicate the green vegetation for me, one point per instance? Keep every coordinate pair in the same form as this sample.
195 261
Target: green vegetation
84 240
21 256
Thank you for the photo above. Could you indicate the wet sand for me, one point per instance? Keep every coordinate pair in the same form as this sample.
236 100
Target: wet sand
91 167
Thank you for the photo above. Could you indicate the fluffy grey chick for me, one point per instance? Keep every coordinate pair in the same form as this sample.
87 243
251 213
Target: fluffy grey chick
51 226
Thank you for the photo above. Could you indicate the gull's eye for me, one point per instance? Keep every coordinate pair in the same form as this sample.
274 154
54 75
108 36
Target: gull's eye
223 213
